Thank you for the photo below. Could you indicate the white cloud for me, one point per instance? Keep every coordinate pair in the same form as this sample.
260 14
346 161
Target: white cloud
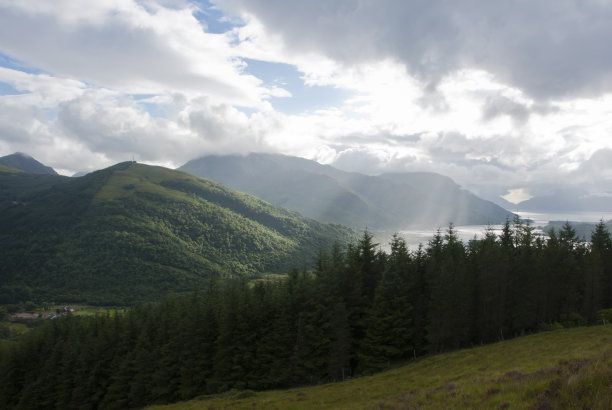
40 89
495 95
517 195
548 48
128 46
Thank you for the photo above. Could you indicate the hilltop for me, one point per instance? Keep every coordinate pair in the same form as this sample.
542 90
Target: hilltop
133 232
26 163
385 202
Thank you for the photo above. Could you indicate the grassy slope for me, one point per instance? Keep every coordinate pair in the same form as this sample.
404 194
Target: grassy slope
559 369
5 168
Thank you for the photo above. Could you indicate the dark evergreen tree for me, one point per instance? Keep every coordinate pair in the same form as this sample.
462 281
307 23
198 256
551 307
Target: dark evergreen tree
340 341
234 357
198 335
451 294
601 244
275 339
523 294
597 274
420 299
489 264
389 334
559 280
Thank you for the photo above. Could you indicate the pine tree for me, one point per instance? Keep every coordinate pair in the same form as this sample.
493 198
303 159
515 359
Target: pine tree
490 272
340 341
523 290
198 333
389 334
601 243
451 294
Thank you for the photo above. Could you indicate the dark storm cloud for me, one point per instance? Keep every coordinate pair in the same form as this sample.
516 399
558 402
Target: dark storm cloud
547 48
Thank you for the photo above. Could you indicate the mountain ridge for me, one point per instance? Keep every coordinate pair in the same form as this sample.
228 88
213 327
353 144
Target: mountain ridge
388 201
567 200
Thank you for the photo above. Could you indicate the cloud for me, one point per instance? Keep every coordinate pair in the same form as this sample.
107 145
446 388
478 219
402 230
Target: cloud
72 127
497 95
120 128
596 171
129 46
549 49
363 160
517 195
500 105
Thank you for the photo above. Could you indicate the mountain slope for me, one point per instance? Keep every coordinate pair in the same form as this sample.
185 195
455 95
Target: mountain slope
26 163
134 232
562 369
567 200
389 201
584 230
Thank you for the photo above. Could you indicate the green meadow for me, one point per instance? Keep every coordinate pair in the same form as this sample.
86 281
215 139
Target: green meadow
569 368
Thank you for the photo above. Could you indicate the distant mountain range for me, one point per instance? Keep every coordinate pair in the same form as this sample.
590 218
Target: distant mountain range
134 232
385 202
26 163
584 230
567 200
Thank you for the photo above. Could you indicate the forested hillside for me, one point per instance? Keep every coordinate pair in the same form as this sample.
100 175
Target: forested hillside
134 232
386 202
359 311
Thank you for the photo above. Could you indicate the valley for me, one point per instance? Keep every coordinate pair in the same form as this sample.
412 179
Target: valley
229 295
356 204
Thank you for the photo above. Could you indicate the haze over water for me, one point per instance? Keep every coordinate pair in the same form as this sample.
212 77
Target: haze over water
468 232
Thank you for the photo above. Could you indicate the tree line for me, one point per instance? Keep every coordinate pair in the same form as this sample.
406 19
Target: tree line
360 310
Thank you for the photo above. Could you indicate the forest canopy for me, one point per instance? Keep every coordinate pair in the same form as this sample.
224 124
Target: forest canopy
360 310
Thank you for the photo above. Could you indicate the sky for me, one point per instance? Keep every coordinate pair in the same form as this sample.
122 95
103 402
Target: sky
509 98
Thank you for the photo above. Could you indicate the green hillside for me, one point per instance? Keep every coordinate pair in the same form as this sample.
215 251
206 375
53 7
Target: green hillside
134 232
560 369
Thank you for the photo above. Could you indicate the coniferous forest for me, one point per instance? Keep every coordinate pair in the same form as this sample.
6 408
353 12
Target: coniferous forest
359 311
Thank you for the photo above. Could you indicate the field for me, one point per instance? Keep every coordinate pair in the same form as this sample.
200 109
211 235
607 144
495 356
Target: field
559 369
15 324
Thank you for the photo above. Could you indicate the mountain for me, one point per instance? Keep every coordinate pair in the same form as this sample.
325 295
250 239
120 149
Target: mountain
567 200
134 232
26 163
384 202
584 230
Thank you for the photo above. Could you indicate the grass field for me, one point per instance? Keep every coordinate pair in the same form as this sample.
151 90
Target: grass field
569 368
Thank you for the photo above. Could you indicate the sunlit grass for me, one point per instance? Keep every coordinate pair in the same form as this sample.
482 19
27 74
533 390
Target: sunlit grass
4 168
563 368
